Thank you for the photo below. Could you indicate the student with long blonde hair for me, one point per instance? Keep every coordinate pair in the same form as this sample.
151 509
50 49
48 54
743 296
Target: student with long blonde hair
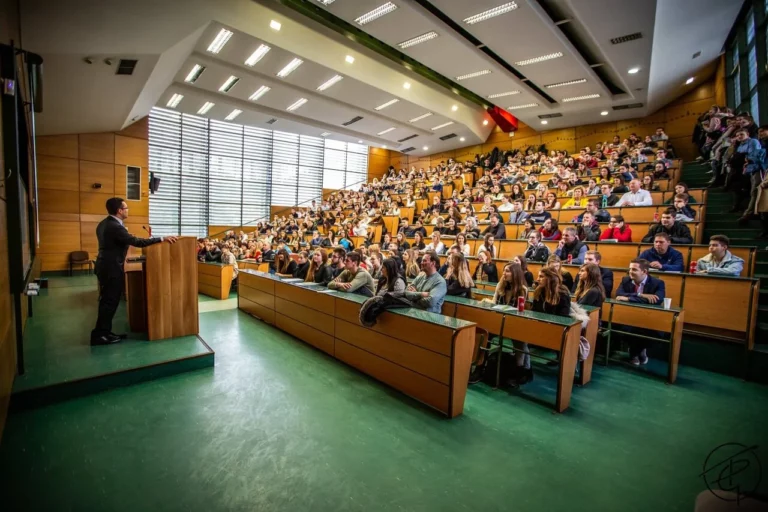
457 277
411 263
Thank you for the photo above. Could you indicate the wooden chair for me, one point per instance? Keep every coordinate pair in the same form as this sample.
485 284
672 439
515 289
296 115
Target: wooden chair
80 258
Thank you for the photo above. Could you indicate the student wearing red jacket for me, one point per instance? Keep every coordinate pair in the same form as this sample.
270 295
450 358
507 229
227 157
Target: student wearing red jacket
617 230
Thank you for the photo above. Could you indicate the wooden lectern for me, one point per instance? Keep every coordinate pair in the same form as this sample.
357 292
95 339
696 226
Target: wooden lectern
162 290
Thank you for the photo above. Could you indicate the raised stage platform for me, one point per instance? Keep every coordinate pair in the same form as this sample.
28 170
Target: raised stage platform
60 363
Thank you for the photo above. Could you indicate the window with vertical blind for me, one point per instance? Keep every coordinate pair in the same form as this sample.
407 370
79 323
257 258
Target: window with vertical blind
225 174
747 63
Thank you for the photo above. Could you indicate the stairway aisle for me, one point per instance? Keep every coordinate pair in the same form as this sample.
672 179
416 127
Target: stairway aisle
718 220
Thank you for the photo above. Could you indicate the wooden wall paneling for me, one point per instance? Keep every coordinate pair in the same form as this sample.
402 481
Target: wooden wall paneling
54 261
57 173
94 203
702 92
58 201
97 147
88 240
560 140
137 130
95 172
59 237
64 146
719 85
682 118
131 151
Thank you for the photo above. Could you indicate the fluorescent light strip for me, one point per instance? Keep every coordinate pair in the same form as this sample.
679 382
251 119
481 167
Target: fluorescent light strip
536 60
298 103
423 38
449 123
232 115
205 108
502 94
579 98
219 41
570 82
422 116
386 131
473 75
174 101
325 134
290 68
256 56
193 75
376 13
326 2
229 84
330 82
526 105
491 13
261 91
385 105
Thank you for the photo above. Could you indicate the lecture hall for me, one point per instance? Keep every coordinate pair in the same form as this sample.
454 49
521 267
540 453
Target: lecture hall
383 255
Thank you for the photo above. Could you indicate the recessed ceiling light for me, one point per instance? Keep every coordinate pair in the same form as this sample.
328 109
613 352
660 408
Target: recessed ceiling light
193 75
544 121
579 98
419 118
417 40
689 81
461 139
359 142
326 2
407 85
174 101
329 82
256 56
473 75
290 68
275 25
536 60
632 71
219 41
604 113
454 107
325 134
205 108
485 122
350 59
449 123
376 13
232 115
502 94
386 131
525 105
297 104
384 146
229 84
570 82
491 13
425 148
261 91
385 105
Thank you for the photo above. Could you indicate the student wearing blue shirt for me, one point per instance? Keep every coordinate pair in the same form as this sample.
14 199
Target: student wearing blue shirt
663 257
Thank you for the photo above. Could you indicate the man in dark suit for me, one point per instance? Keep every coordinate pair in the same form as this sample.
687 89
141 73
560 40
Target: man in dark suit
641 288
114 241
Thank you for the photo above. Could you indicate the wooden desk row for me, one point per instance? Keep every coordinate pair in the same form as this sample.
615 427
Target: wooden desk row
424 355
214 279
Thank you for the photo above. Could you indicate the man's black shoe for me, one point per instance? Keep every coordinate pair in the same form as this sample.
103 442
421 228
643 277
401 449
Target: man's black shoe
121 336
106 339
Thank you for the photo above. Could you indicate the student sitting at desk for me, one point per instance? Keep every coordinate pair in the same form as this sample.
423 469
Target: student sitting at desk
677 231
353 279
570 245
554 263
720 261
617 230
486 269
418 241
683 212
411 263
488 246
589 287
435 245
662 256
511 286
520 260
457 278
390 281
428 289
536 250
337 261
302 266
319 271
550 297
283 265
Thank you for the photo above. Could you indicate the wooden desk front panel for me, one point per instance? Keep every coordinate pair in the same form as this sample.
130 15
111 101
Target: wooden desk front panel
305 315
307 333
527 330
706 301
256 309
311 299
257 283
656 319
488 320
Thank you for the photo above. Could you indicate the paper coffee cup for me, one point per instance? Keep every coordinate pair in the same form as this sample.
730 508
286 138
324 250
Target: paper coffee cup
667 303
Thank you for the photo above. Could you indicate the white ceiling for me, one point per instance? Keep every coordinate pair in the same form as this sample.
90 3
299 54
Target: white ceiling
171 36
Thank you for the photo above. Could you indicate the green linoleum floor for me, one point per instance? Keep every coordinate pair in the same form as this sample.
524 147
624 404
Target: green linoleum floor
57 338
278 426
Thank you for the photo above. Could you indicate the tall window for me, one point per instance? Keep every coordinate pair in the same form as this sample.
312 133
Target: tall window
225 174
747 63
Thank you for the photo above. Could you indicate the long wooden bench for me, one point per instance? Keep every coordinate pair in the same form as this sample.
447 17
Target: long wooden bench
645 316
426 356
214 279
